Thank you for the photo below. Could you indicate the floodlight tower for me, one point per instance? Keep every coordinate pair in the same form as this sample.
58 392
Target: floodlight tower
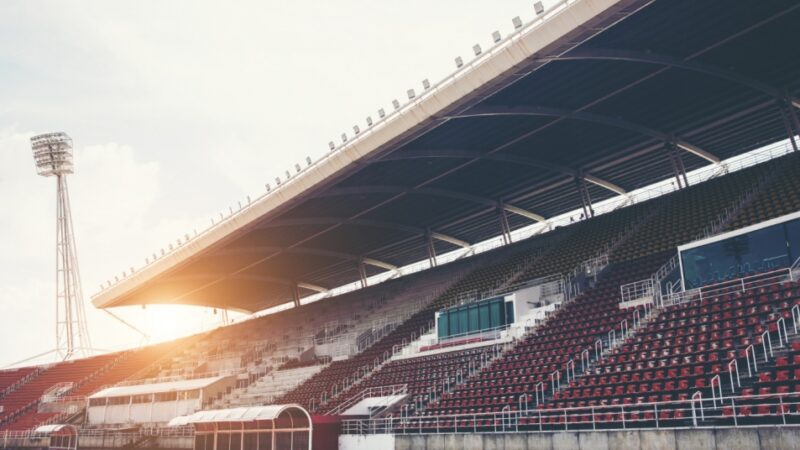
52 154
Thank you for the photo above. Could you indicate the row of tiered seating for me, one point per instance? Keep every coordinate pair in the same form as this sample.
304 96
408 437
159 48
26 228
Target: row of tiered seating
24 399
582 240
679 353
687 212
10 377
676 218
564 336
422 375
782 196
492 267
88 375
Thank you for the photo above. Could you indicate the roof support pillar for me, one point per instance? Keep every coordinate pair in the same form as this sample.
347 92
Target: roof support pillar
586 198
505 228
790 122
677 165
362 273
296 295
431 248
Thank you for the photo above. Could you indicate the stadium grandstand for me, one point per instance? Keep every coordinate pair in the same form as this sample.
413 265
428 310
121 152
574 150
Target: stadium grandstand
587 237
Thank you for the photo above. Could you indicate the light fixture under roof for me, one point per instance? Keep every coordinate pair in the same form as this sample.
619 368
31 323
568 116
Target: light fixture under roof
396 104
344 137
459 62
426 84
496 37
477 49
538 7
369 121
411 94
331 145
356 129
381 113
517 22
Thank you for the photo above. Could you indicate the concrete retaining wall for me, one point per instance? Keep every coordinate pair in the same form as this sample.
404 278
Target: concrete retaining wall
763 438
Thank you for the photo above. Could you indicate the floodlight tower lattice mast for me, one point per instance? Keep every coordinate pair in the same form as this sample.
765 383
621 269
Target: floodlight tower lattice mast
52 154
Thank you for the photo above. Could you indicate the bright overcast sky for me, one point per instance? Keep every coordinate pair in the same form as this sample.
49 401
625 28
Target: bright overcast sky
179 109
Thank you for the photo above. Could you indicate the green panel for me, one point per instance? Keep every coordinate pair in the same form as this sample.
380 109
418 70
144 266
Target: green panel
509 312
496 314
463 321
474 324
485 323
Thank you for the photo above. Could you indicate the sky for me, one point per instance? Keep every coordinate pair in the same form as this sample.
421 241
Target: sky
180 109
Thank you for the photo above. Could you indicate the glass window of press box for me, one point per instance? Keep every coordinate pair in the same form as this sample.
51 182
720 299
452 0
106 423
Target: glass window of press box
475 318
758 251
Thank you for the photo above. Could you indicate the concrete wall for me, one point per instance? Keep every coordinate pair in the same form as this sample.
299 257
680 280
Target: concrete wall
763 438
369 442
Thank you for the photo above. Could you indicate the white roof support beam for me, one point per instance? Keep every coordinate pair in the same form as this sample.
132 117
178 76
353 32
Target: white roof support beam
693 149
527 214
604 184
450 240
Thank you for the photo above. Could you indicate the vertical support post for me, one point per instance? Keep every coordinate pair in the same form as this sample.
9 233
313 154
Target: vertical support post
504 226
431 248
586 198
677 165
362 273
296 295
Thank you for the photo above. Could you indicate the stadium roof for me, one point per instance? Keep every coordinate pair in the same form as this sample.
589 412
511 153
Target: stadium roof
592 98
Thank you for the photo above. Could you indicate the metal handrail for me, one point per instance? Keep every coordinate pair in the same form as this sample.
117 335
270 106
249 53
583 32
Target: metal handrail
597 353
585 367
697 396
750 352
781 325
735 364
615 416
555 378
733 286
719 387
570 365
796 316
764 345
536 389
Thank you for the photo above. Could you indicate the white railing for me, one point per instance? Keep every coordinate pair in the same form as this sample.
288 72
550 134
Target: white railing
381 391
739 285
638 290
692 412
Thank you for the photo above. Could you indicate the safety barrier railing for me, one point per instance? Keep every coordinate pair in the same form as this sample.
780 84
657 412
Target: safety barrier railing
695 411
739 285
381 391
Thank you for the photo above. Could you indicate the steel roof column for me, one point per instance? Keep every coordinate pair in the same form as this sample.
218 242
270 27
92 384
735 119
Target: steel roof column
586 198
362 273
296 295
677 165
431 248
505 228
